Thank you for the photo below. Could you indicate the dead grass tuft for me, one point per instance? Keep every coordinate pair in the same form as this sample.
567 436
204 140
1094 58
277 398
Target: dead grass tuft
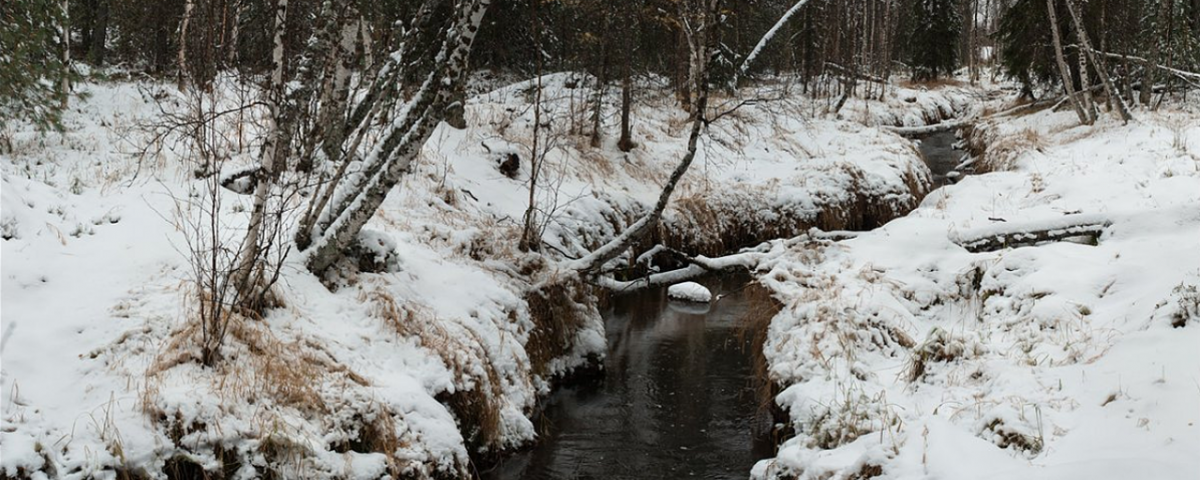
475 400
1005 436
558 308
1002 153
940 346
761 308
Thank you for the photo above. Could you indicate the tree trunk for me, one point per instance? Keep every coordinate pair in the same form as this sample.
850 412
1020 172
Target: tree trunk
1151 61
594 261
64 37
181 57
1086 48
99 33
626 142
231 50
531 236
1063 70
247 275
356 201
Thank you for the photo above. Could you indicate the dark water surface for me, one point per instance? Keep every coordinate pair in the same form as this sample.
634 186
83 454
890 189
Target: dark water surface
942 157
676 400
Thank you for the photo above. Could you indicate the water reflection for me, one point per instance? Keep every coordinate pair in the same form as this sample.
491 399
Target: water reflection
676 400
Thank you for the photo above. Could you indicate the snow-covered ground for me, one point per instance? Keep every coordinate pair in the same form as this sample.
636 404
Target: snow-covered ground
902 355
396 372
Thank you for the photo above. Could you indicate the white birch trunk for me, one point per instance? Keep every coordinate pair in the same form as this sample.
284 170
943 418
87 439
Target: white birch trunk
386 164
249 265
181 58
1063 70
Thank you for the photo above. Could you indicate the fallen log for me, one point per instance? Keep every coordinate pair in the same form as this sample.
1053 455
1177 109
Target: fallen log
1006 235
928 129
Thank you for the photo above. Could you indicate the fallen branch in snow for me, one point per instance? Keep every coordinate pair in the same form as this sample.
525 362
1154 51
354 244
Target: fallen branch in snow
1004 235
746 260
700 266
928 129
851 73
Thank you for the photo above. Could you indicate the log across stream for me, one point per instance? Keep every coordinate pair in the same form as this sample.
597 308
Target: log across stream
676 400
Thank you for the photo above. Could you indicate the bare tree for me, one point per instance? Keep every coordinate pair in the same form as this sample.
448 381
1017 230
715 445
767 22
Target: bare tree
1086 49
707 24
1063 70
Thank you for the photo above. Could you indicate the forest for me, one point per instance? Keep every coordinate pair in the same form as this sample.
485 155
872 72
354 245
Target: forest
544 239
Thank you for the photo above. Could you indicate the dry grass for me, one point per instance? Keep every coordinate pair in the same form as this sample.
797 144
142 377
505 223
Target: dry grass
275 376
761 308
1002 153
939 346
558 310
697 224
475 401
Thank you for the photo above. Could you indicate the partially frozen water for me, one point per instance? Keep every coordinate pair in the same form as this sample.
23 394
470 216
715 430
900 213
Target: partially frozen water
676 400
943 156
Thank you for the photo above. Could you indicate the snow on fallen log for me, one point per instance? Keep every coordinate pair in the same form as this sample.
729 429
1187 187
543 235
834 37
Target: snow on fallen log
690 292
928 129
1004 235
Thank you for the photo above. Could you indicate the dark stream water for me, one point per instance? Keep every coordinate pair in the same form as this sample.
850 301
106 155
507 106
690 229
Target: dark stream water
676 400
943 157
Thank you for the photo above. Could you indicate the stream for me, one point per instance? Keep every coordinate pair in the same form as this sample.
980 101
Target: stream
943 156
676 399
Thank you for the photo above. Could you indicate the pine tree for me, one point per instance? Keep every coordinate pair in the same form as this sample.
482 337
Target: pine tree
32 68
933 42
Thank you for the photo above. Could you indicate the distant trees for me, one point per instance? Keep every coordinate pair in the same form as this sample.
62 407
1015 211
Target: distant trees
35 69
933 40
1136 48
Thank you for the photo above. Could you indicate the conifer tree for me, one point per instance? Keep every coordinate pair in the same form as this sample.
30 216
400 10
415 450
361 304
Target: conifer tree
933 43
32 67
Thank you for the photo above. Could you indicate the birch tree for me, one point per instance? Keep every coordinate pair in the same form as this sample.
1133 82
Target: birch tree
706 27
1063 70
352 197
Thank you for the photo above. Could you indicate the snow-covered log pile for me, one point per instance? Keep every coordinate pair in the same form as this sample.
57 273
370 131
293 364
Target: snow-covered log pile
900 354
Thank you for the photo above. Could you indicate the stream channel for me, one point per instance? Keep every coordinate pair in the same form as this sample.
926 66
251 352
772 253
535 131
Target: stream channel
677 398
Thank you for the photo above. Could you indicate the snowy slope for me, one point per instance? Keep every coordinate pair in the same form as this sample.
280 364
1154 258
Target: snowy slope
393 372
903 355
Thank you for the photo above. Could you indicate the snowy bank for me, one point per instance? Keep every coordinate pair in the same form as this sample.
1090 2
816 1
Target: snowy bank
902 354
410 372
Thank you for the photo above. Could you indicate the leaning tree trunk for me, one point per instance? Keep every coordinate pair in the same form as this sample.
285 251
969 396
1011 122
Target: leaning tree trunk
1086 48
1063 70
356 201
594 261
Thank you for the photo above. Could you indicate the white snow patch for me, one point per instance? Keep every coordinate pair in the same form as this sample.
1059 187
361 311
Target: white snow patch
690 291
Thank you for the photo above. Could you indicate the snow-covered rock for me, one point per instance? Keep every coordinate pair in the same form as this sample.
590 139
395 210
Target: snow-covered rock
690 291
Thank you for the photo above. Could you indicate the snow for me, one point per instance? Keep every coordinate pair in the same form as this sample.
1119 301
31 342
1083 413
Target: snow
1061 360
1085 350
98 327
689 292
